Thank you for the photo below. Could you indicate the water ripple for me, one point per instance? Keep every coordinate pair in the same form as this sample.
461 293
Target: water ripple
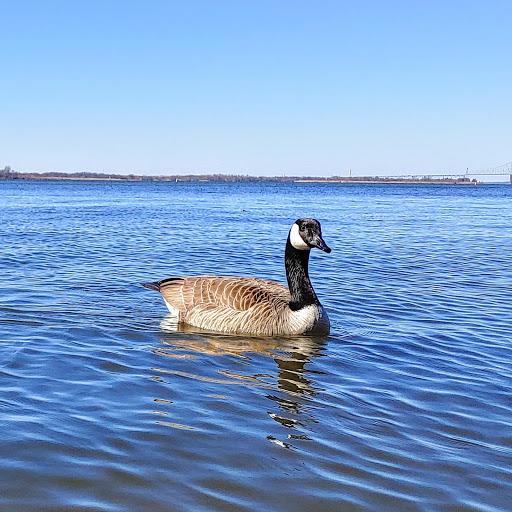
109 406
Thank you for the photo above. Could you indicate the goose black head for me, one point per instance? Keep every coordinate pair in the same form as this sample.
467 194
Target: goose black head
306 234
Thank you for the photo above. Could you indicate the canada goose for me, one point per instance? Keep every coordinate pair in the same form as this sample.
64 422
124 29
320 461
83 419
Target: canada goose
248 305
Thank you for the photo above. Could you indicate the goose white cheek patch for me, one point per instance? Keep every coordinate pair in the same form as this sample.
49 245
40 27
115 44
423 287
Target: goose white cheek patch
296 239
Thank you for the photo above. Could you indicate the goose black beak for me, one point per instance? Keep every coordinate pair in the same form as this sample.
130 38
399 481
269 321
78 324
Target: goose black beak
320 244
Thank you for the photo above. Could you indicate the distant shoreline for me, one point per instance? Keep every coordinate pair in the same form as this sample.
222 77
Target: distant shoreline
228 178
395 181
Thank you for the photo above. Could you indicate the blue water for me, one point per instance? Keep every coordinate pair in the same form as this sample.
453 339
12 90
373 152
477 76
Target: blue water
406 406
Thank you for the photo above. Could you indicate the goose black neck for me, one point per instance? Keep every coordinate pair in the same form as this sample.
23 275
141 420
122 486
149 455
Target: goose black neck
301 289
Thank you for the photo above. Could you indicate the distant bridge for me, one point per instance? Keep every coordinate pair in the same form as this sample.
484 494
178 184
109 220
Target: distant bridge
495 171
500 170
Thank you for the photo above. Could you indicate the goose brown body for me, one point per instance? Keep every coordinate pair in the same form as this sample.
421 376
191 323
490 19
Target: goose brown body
249 305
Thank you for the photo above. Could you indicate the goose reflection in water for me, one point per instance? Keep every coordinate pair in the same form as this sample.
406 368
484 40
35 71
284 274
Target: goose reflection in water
291 356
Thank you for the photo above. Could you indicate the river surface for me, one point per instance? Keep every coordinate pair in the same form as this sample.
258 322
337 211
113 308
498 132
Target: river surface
105 406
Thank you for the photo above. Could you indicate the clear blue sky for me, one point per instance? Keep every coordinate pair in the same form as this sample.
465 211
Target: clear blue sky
259 87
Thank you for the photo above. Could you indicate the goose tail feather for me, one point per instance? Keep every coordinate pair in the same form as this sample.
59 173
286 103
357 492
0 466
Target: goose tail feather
152 286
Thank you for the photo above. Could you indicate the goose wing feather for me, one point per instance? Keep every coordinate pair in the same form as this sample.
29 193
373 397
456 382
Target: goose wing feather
229 304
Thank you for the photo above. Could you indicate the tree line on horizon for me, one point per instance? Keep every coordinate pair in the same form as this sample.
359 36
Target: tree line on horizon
9 173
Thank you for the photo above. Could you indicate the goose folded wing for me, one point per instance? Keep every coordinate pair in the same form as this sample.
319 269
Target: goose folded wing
236 293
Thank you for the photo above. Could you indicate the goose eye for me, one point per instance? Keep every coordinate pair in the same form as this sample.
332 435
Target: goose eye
302 228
